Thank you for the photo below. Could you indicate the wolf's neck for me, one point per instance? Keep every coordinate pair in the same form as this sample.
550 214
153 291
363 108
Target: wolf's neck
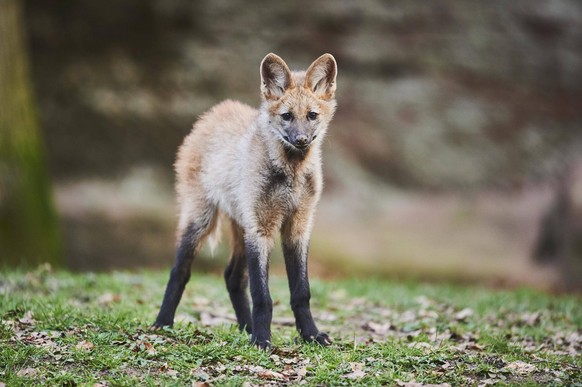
286 158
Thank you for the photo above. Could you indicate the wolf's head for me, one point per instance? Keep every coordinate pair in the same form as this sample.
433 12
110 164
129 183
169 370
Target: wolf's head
298 105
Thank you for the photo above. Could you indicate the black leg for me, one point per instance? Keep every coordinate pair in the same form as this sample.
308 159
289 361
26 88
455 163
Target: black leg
236 280
296 265
258 263
179 276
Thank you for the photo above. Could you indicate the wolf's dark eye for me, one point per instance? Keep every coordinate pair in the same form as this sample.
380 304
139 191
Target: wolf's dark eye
287 116
312 115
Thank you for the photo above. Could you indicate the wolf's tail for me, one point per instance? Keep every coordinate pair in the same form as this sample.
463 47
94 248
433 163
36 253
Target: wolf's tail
213 239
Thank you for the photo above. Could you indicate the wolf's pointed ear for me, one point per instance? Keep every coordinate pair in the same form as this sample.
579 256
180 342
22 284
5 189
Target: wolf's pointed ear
320 76
275 76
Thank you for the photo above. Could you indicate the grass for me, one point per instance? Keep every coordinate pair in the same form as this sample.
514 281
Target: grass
69 329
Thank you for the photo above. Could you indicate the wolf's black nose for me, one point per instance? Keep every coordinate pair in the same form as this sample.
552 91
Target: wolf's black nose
301 140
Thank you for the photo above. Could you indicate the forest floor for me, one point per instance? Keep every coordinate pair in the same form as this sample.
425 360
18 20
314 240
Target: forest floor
60 328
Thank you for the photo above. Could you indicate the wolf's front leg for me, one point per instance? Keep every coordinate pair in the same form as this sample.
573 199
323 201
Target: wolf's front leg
257 252
295 252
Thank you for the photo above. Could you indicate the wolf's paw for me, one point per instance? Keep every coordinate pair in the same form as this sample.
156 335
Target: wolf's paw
321 338
261 344
159 326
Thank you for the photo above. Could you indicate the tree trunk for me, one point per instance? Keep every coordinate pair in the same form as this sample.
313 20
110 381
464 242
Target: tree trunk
29 227
559 240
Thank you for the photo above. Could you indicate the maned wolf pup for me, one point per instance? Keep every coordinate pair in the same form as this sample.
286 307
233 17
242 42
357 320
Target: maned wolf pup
262 171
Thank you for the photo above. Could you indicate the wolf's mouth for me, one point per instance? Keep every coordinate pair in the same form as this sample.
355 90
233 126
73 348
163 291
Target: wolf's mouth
297 146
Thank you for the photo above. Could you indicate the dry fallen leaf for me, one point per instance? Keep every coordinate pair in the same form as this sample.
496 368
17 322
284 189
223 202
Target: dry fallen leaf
276 359
377 328
290 360
31 372
424 301
150 348
185 318
268 374
145 346
301 372
108 298
530 319
463 314
200 301
357 371
209 319
355 375
415 384
27 319
326 316
200 373
520 367
85 345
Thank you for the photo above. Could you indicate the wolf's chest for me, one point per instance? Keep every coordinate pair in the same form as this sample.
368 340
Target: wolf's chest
281 191
280 196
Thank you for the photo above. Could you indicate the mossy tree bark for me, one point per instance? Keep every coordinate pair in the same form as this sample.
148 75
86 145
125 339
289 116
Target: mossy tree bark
559 240
29 227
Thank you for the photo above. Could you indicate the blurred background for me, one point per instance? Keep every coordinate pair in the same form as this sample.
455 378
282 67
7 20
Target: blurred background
455 154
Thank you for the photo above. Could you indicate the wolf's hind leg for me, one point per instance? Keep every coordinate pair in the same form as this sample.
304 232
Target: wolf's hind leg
190 241
237 282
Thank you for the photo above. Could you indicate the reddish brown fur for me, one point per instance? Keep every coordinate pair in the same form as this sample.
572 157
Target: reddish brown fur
262 171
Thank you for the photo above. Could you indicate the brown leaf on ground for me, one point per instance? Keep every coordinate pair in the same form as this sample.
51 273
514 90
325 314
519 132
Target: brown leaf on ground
530 319
199 301
210 319
144 345
108 298
268 374
30 372
463 314
199 373
28 318
301 372
149 348
357 371
284 321
85 345
488 382
355 375
165 369
520 367
380 329
415 384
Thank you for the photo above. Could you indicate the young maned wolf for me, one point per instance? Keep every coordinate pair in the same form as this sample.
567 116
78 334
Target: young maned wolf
261 170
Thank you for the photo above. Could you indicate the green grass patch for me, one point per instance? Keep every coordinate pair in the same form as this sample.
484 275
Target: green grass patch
63 328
